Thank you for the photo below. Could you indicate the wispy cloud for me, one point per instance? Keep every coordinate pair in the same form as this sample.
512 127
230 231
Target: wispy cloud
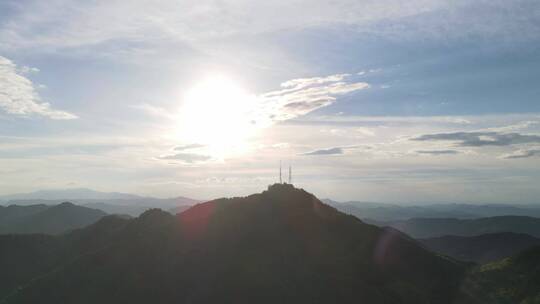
69 24
480 139
189 147
327 151
304 95
306 82
522 153
515 126
188 158
387 120
18 95
154 110
330 151
438 152
187 154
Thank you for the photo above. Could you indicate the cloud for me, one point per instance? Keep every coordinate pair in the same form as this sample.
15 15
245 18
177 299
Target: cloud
515 126
188 158
438 152
18 95
365 132
387 120
154 110
480 139
179 154
522 153
305 82
28 70
329 151
304 95
69 24
189 147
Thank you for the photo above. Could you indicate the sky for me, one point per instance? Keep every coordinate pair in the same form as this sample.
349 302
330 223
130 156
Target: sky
411 102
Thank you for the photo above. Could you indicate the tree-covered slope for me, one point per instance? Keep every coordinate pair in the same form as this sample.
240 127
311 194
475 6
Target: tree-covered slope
514 280
280 246
46 219
435 227
482 248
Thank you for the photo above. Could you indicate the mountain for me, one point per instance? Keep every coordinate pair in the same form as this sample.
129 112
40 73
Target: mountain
46 219
109 202
390 212
435 227
511 280
178 209
483 248
387 212
279 246
27 256
65 194
490 210
13 213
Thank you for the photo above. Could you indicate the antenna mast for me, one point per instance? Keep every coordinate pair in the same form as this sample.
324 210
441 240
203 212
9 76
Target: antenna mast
280 173
290 174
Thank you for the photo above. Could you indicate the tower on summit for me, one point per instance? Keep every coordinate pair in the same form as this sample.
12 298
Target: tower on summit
281 174
290 174
280 180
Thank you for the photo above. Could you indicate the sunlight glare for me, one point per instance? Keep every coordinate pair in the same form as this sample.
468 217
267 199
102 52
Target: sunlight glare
216 113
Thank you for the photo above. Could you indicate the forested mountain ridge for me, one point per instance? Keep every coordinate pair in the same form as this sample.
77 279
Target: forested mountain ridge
46 219
282 245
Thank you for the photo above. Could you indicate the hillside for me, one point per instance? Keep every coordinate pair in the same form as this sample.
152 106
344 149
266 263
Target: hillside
483 248
378 212
427 228
280 246
511 280
46 219
13 213
109 202
389 212
133 206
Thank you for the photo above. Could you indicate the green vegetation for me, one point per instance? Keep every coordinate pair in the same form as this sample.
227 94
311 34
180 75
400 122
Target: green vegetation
514 280
280 246
46 219
482 248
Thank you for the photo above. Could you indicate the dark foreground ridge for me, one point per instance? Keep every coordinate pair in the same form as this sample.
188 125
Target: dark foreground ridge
280 246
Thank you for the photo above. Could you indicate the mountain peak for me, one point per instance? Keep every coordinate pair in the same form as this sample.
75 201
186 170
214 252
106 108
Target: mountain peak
288 192
282 187
282 245
66 204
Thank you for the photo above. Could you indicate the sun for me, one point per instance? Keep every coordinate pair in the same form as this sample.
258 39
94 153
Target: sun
217 113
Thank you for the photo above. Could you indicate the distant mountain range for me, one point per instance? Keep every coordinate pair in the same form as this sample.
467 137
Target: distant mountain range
109 202
390 212
436 227
63 194
134 205
483 248
46 219
279 246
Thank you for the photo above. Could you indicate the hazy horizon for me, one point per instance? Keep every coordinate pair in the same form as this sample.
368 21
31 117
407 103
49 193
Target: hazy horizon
45 194
377 101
